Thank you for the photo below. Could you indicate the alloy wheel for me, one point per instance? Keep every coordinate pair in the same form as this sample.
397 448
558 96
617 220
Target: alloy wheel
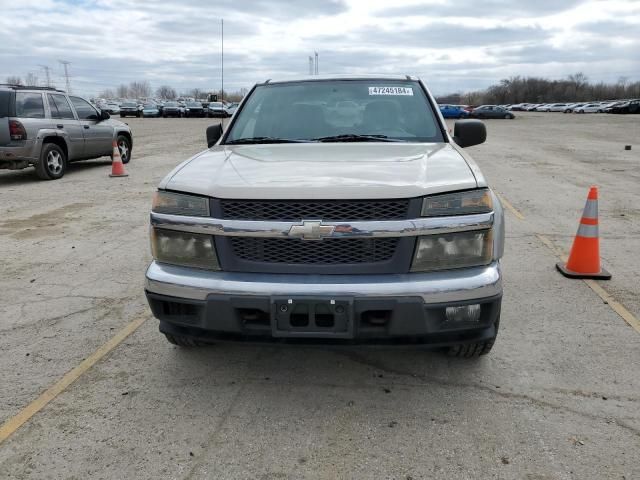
124 149
54 162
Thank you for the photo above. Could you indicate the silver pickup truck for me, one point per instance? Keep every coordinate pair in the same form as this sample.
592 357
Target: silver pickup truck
46 128
334 210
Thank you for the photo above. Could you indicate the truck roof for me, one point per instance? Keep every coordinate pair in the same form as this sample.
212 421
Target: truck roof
316 78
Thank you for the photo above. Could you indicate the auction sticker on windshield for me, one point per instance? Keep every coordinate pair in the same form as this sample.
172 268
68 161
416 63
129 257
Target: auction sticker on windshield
390 91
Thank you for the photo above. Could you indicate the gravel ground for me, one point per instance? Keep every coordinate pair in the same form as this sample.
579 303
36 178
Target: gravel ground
558 398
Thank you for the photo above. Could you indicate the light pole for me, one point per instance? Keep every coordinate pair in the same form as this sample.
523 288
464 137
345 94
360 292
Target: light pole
66 64
222 59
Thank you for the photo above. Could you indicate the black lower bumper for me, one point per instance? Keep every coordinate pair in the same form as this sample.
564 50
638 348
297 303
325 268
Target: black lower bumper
348 320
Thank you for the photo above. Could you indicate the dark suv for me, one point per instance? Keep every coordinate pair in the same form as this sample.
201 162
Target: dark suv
46 128
130 109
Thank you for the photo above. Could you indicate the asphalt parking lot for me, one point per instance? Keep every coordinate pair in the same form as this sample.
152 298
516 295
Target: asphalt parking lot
558 397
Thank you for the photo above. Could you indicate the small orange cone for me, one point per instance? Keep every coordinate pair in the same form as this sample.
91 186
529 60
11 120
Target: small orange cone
584 259
117 167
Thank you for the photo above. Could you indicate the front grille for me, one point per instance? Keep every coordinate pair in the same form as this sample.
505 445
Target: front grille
328 210
326 252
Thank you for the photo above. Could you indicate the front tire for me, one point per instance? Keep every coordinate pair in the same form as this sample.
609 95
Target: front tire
124 145
183 341
52 163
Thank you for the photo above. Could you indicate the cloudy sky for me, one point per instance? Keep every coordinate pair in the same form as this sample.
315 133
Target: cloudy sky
455 45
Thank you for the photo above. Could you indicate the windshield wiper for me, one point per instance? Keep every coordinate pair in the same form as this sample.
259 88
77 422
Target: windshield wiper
252 140
353 137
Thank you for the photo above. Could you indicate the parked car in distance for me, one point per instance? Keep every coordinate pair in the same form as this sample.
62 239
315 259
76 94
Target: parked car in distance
453 111
217 109
232 107
628 107
150 110
589 108
491 111
111 108
607 104
557 107
171 109
46 128
518 107
130 109
571 107
194 109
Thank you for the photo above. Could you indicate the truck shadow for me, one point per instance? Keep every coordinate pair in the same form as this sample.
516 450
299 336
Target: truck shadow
379 367
28 175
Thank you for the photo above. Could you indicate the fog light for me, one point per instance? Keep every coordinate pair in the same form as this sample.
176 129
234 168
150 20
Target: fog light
467 313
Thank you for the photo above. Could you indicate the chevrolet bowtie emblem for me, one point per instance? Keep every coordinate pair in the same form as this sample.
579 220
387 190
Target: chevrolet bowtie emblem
311 230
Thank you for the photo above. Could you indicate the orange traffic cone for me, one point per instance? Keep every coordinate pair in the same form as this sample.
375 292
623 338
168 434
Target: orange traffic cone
117 167
584 259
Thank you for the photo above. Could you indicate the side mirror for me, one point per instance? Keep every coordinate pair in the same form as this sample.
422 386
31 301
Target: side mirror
467 133
214 132
104 115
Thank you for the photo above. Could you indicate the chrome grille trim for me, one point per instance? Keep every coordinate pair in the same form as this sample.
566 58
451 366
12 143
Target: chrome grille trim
271 229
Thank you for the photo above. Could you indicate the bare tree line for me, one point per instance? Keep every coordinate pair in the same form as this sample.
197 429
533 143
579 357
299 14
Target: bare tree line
575 88
142 89
30 80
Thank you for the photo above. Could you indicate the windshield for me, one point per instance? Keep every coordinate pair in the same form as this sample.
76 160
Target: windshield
171 104
194 104
215 105
129 104
149 105
322 110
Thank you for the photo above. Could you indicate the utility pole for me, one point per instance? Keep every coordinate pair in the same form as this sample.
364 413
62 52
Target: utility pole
66 64
316 67
222 59
311 65
46 74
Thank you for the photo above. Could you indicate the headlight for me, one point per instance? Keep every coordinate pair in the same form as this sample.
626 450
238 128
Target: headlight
180 204
183 248
460 203
454 250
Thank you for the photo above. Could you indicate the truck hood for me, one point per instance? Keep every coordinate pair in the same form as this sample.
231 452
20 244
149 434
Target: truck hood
323 171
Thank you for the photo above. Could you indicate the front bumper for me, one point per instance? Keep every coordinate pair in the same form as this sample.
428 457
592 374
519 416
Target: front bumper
404 308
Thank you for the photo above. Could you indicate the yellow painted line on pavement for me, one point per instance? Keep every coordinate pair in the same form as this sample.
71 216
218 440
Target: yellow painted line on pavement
10 426
606 297
510 207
